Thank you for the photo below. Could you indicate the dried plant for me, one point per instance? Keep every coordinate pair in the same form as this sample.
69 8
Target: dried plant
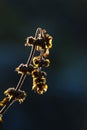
42 43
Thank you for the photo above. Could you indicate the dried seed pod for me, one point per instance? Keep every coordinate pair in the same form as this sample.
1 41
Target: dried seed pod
36 61
46 63
17 95
44 42
48 39
38 73
30 41
21 69
40 62
39 80
24 69
40 88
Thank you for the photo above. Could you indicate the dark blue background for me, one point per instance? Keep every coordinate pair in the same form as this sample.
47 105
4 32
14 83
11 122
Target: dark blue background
64 106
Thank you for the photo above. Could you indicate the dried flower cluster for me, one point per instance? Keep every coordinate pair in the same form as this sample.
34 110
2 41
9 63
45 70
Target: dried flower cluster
42 43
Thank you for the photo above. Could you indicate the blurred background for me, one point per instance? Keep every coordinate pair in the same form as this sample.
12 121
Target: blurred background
64 106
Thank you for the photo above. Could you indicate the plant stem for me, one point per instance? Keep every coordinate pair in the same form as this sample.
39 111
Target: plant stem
23 76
